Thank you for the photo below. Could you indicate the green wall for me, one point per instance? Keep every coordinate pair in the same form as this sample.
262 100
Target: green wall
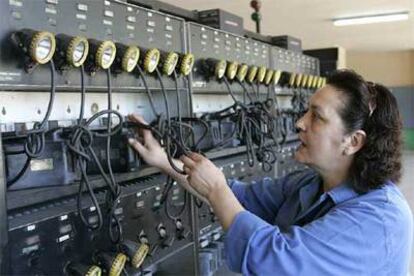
408 134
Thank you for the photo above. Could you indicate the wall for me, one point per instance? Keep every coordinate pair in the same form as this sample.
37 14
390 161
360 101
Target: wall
394 69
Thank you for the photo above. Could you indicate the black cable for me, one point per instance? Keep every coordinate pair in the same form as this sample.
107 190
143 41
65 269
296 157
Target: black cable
180 130
83 93
80 144
82 158
165 200
245 92
167 133
98 226
117 191
148 91
168 205
35 140
198 203
254 91
226 82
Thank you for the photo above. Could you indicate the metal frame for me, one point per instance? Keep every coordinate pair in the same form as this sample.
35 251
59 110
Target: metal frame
3 213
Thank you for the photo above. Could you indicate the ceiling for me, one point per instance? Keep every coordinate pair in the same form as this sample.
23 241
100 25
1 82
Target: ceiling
310 20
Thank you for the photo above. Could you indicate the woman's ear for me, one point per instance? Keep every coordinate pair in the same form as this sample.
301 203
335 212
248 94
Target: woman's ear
356 142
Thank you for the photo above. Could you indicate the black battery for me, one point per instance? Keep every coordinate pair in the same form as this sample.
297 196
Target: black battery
51 168
122 156
220 19
287 42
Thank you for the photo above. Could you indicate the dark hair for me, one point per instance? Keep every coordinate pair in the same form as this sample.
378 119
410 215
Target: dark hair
370 107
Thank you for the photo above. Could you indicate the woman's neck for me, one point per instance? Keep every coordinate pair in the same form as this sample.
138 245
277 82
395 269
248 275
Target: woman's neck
333 178
331 182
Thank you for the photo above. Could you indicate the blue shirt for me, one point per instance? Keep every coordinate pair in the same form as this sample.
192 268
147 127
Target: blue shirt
368 234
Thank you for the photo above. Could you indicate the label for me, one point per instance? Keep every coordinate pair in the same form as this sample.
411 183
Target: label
231 23
63 238
132 19
50 10
204 243
30 249
10 76
82 7
107 22
199 84
109 13
31 227
41 164
81 16
15 3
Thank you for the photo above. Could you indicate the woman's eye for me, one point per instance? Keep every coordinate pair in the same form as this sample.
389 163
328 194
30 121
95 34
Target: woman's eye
316 116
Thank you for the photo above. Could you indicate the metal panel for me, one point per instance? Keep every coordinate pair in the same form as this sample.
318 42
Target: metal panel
101 20
3 214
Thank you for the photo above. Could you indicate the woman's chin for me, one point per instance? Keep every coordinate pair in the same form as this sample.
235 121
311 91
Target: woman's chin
300 155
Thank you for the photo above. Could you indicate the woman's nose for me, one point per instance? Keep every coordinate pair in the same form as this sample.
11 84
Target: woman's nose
300 124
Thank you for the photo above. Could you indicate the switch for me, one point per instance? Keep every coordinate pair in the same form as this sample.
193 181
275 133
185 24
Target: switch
166 240
182 232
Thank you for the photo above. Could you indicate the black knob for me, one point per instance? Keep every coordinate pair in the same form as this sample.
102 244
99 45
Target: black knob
167 242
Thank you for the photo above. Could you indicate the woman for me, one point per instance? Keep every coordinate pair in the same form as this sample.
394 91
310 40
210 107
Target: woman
343 216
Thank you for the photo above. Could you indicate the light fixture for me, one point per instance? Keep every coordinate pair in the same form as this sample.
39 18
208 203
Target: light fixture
242 72
187 62
130 58
170 61
105 54
269 76
220 69
252 73
82 269
376 18
232 70
38 45
151 60
261 74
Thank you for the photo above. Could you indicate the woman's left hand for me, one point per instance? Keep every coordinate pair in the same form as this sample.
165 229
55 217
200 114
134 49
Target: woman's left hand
203 175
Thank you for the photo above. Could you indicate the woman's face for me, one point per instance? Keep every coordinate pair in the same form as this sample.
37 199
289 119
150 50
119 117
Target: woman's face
321 131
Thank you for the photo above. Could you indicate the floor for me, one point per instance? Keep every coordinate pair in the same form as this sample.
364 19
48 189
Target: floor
407 187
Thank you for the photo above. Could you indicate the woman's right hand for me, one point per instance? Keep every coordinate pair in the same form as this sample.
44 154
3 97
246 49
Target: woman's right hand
148 147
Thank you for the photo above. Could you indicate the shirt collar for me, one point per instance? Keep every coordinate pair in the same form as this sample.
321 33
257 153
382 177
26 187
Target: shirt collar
308 193
342 192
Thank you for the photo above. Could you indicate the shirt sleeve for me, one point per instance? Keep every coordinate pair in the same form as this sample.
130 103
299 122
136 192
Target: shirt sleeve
264 198
343 242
